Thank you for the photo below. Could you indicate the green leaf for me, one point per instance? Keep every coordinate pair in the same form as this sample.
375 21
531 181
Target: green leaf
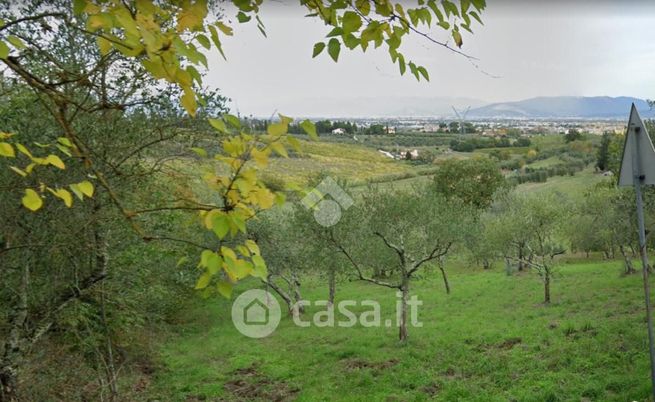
260 270
64 141
479 4
203 281
414 70
450 8
424 73
242 17
228 253
4 50
232 120
338 31
78 6
225 289
364 6
318 48
204 41
476 16
253 247
221 226
334 47
219 125
310 129
200 152
14 40
401 64
32 200
351 22
458 38
224 28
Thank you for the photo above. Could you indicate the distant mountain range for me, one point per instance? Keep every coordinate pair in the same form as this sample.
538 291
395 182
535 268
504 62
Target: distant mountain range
381 107
386 107
564 107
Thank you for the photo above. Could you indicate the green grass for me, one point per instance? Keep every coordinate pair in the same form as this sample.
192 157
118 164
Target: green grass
490 340
574 186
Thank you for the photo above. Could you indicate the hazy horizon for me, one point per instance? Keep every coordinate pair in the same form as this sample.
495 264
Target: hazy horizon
554 49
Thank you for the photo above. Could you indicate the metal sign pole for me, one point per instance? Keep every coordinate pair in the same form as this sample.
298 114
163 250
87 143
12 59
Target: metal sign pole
638 179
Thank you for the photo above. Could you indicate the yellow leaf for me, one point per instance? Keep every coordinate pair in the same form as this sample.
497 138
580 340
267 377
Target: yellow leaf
104 45
260 157
224 28
54 160
23 150
189 101
228 252
191 16
32 200
86 188
277 129
279 149
7 150
203 281
252 246
17 170
76 189
65 196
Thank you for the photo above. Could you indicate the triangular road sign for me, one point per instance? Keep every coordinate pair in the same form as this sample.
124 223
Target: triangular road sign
638 153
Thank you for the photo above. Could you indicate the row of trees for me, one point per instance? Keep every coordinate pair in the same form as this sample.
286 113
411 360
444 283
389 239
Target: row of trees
388 237
471 144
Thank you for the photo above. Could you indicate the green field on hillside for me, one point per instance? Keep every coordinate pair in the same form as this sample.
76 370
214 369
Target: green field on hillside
490 340
574 186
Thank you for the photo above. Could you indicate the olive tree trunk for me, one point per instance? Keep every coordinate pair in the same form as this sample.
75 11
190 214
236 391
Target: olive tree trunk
404 289
332 284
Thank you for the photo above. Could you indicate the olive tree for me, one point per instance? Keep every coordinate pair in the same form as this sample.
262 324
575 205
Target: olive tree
537 222
401 232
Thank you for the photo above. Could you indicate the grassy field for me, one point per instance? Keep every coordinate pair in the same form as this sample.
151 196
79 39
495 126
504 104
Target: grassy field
574 186
354 162
490 340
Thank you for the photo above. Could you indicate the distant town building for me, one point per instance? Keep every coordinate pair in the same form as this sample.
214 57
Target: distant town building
413 154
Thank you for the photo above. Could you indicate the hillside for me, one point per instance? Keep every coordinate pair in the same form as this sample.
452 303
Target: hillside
490 340
563 107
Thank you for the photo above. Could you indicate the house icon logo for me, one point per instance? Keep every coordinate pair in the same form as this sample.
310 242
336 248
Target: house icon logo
327 212
256 313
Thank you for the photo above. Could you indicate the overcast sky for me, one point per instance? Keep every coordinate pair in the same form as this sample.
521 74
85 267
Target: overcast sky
558 48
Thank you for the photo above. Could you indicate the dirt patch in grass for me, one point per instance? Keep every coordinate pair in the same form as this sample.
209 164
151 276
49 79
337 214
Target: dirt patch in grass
249 384
509 343
431 389
360 364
